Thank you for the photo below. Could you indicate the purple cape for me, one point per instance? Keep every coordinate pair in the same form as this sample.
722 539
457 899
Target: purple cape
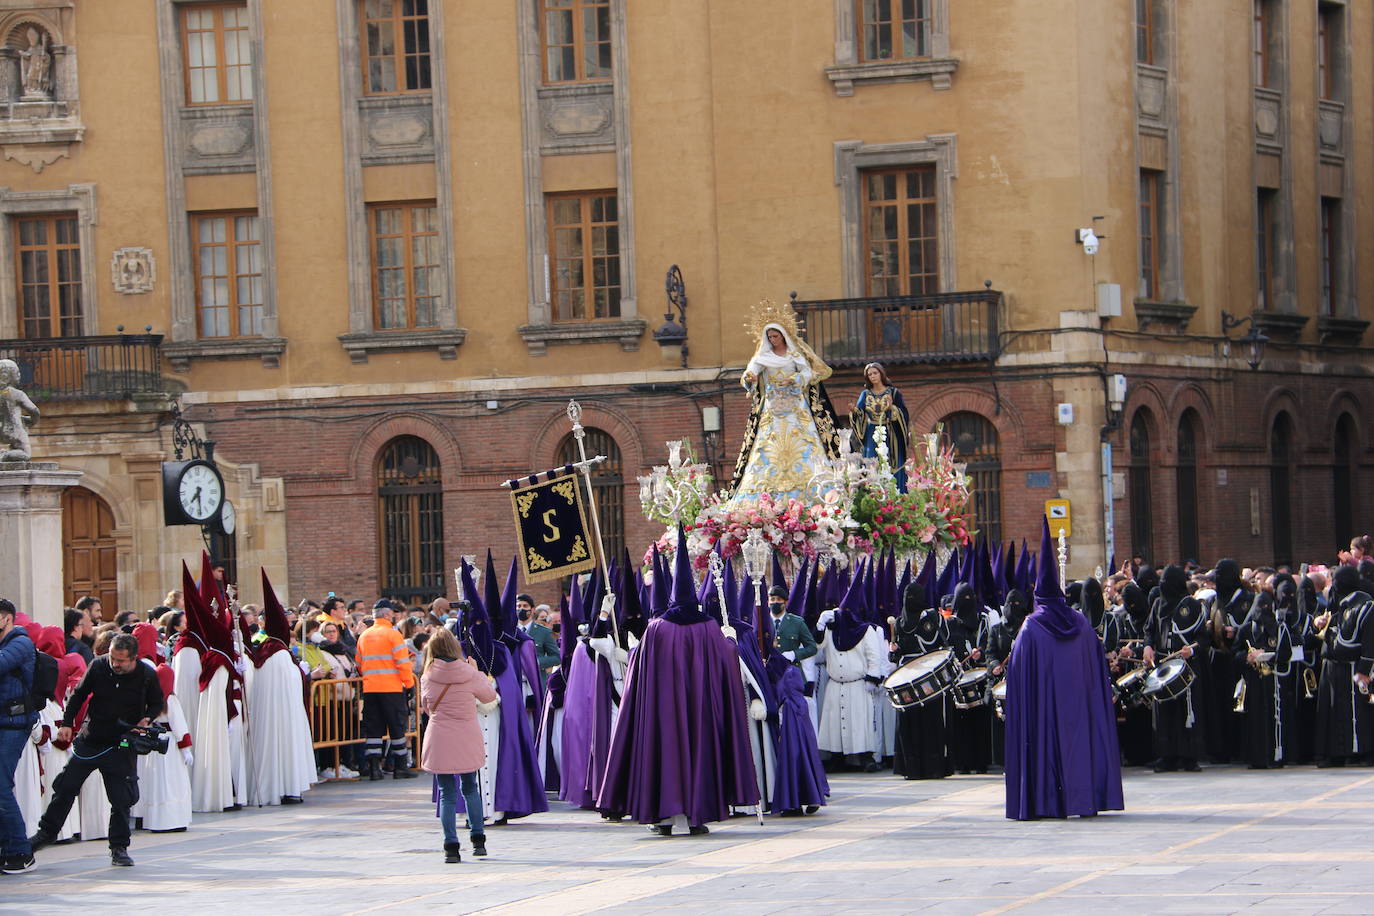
681 743
800 776
577 729
519 788
1061 751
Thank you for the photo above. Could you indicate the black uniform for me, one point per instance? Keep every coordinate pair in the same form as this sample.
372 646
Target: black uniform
118 702
1129 624
1180 724
1295 606
1264 721
1001 635
921 749
1228 611
1345 719
970 729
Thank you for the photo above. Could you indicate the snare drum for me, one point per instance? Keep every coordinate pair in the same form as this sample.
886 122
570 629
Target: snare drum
922 679
1130 688
999 699
1169 681
971 690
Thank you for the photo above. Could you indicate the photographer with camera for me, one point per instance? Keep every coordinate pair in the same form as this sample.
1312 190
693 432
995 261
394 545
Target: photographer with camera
124 694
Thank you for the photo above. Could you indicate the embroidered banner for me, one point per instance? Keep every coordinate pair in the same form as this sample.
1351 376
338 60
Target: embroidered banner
551 528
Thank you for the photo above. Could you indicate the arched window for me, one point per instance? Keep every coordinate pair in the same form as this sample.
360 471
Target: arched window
1185 478
974 440
1142 526
89 564
608 484
1343 462
1281 487
410 513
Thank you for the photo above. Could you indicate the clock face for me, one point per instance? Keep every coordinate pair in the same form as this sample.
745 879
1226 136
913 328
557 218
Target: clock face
201 492
228 518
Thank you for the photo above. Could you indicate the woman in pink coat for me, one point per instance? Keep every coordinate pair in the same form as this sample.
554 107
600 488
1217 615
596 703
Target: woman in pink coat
450 689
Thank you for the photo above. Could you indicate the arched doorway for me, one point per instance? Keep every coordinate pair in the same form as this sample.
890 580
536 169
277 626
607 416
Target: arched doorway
608 484
410 518
1142 521
89 564
974 441
1185 480
1281 487
1343 463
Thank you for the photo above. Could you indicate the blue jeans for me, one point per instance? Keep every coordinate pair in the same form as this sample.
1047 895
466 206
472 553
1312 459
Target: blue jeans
14 837
448 801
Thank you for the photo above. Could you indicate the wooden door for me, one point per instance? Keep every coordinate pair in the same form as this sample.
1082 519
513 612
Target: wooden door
88 550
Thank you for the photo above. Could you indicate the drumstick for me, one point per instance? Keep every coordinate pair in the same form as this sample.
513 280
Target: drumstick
892 629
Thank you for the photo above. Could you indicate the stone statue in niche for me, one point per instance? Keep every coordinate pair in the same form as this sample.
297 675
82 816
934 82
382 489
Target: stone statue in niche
133 270
35 67
17 414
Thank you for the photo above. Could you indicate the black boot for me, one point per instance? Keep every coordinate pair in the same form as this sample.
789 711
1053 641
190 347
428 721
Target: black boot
452 854
119 855
41 838
401 771
374 768
479 844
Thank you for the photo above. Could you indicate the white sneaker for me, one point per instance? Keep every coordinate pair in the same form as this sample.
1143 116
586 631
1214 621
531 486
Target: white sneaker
346 773
328 773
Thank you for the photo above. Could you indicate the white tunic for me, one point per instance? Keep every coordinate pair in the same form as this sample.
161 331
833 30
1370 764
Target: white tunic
53 764
486 777
164 782
28 780
212 786
186 686
282 756
847 711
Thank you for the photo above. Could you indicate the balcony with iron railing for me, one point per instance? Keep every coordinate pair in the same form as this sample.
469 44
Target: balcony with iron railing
106 367
941 328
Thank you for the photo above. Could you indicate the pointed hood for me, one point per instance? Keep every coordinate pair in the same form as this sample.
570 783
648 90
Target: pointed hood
779 577
1022 579
812 612
683 607
210 592
508 623
850 624
796 599
1052 611
491 598
899 591
658 605
274 624
477 636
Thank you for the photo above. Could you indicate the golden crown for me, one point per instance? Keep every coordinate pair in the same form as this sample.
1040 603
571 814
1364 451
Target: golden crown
769 312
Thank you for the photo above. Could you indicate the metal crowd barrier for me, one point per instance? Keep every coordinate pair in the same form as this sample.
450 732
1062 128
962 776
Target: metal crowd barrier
336 711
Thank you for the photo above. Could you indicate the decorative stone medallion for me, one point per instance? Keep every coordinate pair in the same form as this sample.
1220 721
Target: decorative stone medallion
133 270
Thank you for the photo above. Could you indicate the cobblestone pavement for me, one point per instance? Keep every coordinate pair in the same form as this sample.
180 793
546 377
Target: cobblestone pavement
1227 840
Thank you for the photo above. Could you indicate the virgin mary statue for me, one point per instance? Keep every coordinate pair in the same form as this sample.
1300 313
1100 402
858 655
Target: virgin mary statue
791 430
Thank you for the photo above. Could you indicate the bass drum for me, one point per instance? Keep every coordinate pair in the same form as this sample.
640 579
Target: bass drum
922 679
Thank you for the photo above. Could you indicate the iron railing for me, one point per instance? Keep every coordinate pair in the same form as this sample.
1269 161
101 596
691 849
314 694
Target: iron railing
941 328
109 367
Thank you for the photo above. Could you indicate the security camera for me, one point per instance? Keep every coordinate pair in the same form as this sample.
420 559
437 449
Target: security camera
1088 239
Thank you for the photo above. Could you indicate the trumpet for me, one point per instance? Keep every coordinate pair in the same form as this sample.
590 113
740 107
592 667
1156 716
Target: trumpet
1262 666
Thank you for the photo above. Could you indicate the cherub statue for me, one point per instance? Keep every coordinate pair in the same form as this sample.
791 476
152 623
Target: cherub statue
14 424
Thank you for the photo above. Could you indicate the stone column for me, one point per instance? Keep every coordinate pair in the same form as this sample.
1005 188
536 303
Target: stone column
31 532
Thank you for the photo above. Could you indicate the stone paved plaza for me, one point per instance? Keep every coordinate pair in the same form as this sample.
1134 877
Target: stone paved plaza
1226 840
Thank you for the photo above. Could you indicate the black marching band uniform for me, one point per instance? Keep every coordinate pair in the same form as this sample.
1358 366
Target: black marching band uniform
1227 612
1001 635
1296 605
1345 718
972 729
921 745
1258 695
1180 724
1124 635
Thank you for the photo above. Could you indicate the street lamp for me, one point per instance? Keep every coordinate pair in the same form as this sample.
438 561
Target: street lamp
672 335
1253 339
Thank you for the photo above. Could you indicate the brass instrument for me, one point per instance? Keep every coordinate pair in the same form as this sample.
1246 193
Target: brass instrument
1217 622
1309 683
1239 696
1262 666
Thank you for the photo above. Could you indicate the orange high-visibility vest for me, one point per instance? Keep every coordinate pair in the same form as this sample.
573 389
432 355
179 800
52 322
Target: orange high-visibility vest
384 660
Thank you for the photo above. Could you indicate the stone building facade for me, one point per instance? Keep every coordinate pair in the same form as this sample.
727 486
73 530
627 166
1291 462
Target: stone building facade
377 245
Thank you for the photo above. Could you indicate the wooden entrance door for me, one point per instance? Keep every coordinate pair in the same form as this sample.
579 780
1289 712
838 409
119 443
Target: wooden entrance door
88 550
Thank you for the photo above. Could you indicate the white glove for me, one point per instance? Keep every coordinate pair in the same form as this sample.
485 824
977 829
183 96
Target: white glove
790 655
607 605
187 757
825 618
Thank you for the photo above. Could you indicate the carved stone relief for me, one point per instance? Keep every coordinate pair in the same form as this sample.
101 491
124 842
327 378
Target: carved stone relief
1267 116
217 141
39 111
577 117
397 129
133 270
1330 126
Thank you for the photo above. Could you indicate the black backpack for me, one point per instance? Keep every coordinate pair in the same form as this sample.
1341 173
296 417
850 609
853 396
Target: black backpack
44 680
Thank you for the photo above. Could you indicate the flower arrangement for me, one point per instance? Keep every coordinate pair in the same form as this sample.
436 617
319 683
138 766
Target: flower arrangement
869 515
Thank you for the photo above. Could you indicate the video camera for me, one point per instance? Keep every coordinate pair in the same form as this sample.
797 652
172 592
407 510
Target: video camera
147 739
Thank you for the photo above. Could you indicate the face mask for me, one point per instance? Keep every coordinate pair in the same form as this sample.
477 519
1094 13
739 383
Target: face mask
777 608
